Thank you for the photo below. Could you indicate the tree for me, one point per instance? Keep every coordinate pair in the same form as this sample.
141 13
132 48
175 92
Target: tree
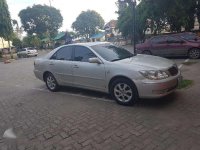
184 17
125 20
16 42
41 20
31 41
87 23
158 15
6 29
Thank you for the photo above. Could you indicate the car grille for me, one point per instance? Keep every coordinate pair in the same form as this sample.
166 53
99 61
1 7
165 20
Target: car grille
173 71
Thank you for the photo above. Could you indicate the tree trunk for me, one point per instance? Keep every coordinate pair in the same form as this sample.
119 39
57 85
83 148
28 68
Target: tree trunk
11 54
2 42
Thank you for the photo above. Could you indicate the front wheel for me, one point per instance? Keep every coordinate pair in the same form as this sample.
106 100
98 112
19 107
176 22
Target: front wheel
51 82
194 53
124 92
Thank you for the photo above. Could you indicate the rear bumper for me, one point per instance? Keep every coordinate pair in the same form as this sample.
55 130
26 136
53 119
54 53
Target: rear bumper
32 54
158 89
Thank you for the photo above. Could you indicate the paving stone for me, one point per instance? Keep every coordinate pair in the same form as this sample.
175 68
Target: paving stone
47 136
63 120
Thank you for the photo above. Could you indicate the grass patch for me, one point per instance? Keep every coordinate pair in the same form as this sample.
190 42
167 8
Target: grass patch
185 84
189 63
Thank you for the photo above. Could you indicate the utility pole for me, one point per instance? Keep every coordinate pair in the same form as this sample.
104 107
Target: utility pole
50 3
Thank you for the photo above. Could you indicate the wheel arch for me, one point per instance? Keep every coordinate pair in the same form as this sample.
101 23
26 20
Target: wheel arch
147 50
120 77
193 48
45 73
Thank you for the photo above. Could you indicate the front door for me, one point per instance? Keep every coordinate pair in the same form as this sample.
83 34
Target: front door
86 74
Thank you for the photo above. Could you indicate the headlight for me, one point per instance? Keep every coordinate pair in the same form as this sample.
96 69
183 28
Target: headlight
155 74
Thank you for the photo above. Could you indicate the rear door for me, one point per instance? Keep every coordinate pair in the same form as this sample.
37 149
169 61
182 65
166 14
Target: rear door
60 65
159 46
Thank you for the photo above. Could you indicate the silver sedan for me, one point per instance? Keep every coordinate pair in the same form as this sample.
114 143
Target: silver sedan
101 66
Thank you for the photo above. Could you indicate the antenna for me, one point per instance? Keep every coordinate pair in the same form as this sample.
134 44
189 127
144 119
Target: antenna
50 3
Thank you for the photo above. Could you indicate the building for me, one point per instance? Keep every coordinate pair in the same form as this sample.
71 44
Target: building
111 28
4 43
62 38
98 37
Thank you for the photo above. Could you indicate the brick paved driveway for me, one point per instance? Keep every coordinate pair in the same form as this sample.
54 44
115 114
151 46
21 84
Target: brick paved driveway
79 119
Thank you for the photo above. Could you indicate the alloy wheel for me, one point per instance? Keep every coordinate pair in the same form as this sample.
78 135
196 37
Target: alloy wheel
51 83
123 92
194 53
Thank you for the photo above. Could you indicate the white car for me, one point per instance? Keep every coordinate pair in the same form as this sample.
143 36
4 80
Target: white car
104 67
27 52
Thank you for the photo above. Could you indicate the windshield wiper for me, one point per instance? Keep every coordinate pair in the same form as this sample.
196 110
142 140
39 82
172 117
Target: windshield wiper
122 58
116 59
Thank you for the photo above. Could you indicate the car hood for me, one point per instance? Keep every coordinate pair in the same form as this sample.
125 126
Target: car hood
146 62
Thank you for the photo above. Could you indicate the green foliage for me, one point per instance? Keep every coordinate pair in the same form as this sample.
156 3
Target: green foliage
185 84
125 21
41 20
16 42
31 41
157 15
6 29
87 23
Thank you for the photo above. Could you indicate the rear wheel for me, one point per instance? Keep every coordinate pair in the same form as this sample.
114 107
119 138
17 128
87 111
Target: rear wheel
194 53
124 92
51 82
147 52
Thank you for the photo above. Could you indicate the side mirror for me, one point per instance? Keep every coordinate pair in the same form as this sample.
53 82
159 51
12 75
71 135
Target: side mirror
182 42
95 60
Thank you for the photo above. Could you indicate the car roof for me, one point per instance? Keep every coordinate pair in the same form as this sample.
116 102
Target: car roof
89 44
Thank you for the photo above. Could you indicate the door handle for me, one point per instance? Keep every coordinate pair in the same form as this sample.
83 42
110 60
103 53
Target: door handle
76 66
51 64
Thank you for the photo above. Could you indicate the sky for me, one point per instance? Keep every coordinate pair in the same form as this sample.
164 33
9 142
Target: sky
69 9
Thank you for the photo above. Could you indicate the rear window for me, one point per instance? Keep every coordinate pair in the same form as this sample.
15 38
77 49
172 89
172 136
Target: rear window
30 48
189 36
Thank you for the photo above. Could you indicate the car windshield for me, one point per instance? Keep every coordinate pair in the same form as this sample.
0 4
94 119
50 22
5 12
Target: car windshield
30 48
189 36
112 53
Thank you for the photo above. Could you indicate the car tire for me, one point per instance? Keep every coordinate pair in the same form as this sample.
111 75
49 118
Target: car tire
147 52
51 82
194 53
124 91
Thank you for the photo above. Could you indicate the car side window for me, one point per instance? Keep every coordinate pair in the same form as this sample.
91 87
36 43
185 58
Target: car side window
64 53
83 54
173 40
159 40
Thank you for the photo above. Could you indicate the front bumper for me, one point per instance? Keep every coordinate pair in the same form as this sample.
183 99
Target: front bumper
157 88
38 74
